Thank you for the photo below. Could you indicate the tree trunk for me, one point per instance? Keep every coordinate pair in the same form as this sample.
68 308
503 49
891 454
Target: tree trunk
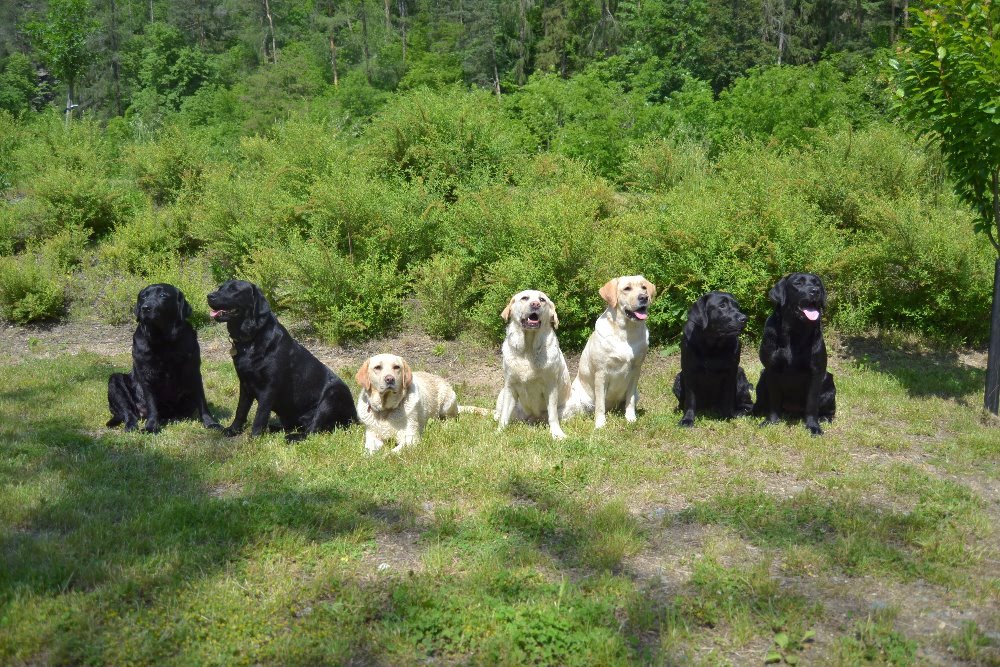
69 101
333 61
401 5
115 62
364 41
270 27
991 400
388 20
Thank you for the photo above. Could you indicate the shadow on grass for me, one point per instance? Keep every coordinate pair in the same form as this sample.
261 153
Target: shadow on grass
926 541
133 527
938 373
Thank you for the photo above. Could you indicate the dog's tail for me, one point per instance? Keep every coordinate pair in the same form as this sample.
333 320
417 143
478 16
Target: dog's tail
474 409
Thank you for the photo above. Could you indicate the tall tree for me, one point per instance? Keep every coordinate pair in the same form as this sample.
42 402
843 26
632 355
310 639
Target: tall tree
948 77
61 38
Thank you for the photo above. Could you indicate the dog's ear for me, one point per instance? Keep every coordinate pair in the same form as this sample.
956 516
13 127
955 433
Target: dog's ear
555 315
651 288
697 315
184 309
138 304
407 375
260 305
362 377
609 292
777 293
822 294
506 311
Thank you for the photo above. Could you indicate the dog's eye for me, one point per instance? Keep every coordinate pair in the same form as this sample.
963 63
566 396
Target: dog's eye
379 367
627 289
542 299
524 298
395 368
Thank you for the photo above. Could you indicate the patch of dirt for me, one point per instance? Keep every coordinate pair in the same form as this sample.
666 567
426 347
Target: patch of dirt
51 340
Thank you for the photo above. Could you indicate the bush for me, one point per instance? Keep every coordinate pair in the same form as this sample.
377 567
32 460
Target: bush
788 103
447 139
738 230
442 286
345 299
32 289
163 167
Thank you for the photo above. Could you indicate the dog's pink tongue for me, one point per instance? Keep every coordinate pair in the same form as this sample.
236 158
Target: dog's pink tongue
811 313
213 313
640 315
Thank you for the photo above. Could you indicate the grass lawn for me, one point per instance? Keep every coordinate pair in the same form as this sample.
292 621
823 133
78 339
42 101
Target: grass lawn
644 543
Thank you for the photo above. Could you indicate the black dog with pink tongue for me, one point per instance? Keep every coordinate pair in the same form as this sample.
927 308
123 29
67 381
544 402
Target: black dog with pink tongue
794 381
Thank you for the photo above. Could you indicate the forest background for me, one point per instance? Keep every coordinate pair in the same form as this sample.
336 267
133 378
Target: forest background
374 163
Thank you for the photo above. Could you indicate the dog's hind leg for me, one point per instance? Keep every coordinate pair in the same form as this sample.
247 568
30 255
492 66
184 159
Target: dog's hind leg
122 401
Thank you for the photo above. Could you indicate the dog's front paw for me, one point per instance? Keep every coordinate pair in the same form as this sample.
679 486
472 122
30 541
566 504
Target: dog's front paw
814 429
557 433
231 432
151 426
686 422
600 421
770 421
630 417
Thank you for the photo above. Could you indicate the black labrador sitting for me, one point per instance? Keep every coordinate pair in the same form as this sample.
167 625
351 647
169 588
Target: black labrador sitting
165 382
794 381
711 378
283 377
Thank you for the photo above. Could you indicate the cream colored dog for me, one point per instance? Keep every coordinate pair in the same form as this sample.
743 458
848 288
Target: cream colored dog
608 378
396 403
536 382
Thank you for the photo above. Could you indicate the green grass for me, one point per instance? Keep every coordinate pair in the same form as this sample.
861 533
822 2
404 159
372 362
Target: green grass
643 543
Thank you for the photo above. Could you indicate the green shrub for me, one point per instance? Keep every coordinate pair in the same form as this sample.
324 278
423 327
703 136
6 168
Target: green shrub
788 103
30 290
738 230
447 139
161 168
84 199
442 286
348 300
659 164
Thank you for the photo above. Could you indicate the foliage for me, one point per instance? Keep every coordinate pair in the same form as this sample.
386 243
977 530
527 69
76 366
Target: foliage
17 84
61 38
32 284
947 83
446 139
787 103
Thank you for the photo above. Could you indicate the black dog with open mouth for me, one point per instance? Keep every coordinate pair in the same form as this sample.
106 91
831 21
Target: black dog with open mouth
275 370
794 380
711 378
165 381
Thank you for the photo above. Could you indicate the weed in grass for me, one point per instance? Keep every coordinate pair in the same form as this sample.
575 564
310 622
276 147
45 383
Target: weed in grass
875 641
972 644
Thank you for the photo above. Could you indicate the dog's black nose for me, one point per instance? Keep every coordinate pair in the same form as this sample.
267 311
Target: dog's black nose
643 298
742 318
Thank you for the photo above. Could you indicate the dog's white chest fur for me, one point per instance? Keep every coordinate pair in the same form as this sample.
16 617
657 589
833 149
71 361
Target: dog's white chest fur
532 365
612 357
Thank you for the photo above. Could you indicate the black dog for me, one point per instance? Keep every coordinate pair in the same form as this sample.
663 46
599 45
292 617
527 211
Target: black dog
165 382
711 377
794 380
274 369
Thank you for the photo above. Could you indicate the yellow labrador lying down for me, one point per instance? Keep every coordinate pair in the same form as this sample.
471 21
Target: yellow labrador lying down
608 378
535 377
396 403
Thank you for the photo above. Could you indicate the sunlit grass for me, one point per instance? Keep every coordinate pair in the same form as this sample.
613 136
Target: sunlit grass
639 543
